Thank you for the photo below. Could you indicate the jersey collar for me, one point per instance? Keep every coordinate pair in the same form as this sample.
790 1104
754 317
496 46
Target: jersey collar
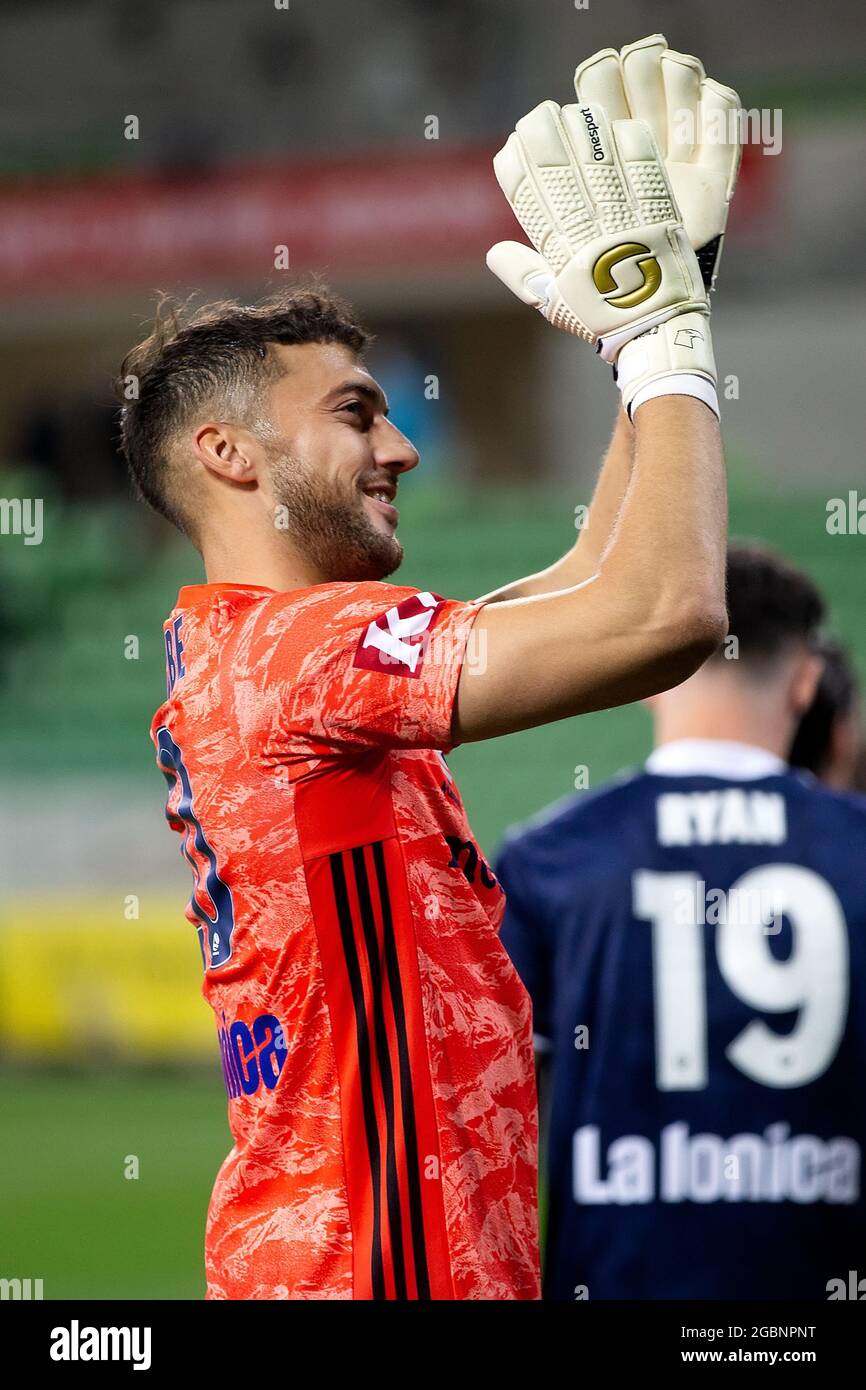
714 757
192 594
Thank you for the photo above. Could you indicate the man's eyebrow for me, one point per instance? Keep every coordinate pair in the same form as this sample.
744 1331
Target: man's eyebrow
373 394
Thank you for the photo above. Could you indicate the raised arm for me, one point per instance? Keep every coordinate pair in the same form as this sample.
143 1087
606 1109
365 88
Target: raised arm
652 615
582 560
638 603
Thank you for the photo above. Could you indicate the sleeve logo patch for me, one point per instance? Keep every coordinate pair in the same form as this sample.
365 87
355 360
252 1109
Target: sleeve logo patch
396 643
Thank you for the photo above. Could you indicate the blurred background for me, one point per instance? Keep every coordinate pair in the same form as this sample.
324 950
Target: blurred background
175 146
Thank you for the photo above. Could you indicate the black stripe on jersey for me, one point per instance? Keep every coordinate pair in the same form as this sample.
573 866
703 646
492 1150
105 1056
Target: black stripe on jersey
368 922
344 914
407 1100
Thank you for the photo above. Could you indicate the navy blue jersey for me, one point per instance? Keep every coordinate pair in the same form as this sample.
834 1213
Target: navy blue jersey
695 949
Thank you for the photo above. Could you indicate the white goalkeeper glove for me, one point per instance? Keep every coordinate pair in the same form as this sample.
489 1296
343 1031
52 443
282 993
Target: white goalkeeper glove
611 257
695 122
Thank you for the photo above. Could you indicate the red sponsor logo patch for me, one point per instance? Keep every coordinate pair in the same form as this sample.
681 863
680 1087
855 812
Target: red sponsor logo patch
396 643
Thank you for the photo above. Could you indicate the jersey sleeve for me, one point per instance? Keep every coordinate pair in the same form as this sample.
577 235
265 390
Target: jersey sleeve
370 666
525 940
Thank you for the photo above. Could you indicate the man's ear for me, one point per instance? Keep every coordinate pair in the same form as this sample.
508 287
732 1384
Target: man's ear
227 450
804 682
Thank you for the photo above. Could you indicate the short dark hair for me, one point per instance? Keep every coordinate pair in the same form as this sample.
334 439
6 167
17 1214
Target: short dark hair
213 356
834 699
772 605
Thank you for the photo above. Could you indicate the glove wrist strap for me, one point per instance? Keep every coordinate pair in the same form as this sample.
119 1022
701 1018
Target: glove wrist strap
679 384
674 358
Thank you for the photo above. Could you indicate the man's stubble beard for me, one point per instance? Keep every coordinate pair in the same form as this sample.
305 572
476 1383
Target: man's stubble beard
333 532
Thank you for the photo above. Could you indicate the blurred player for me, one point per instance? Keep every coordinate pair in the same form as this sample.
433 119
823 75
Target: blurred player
829 740
376 1040
694 941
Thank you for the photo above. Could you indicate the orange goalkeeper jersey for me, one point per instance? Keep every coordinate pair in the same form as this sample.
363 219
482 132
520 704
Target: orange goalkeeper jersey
375 1039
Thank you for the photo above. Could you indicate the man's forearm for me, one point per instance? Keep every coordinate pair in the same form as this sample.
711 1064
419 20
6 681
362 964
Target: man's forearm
613 480
646 621
582 560
670 536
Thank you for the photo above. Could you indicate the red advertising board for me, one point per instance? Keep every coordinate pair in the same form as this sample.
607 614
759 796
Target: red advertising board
429 207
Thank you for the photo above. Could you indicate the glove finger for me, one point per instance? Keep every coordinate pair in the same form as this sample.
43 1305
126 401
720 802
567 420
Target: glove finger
635 140
682 76
509 167
565 152
522 270
598 82
589 135
610 203
519 187
541 137
644 87
645 170
719 129
723 91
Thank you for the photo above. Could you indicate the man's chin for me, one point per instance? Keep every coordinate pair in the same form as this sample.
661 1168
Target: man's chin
371 563
388 563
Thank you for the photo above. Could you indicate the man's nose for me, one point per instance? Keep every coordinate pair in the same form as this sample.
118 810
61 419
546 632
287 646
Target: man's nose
393 450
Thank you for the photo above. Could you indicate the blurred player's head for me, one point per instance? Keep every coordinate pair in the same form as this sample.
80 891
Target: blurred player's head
757 686
829 738
258 431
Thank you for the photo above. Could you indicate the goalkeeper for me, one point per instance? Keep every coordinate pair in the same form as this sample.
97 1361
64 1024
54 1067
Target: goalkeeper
376 1041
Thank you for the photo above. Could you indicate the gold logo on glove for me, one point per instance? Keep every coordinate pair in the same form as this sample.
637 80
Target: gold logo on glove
647 265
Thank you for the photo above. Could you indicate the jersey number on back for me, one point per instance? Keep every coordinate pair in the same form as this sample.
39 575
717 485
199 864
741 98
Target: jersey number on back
813 980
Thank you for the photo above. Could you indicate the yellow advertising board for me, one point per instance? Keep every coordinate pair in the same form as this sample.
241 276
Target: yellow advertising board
82 979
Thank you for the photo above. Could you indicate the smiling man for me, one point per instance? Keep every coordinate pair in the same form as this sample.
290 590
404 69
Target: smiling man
376 1041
